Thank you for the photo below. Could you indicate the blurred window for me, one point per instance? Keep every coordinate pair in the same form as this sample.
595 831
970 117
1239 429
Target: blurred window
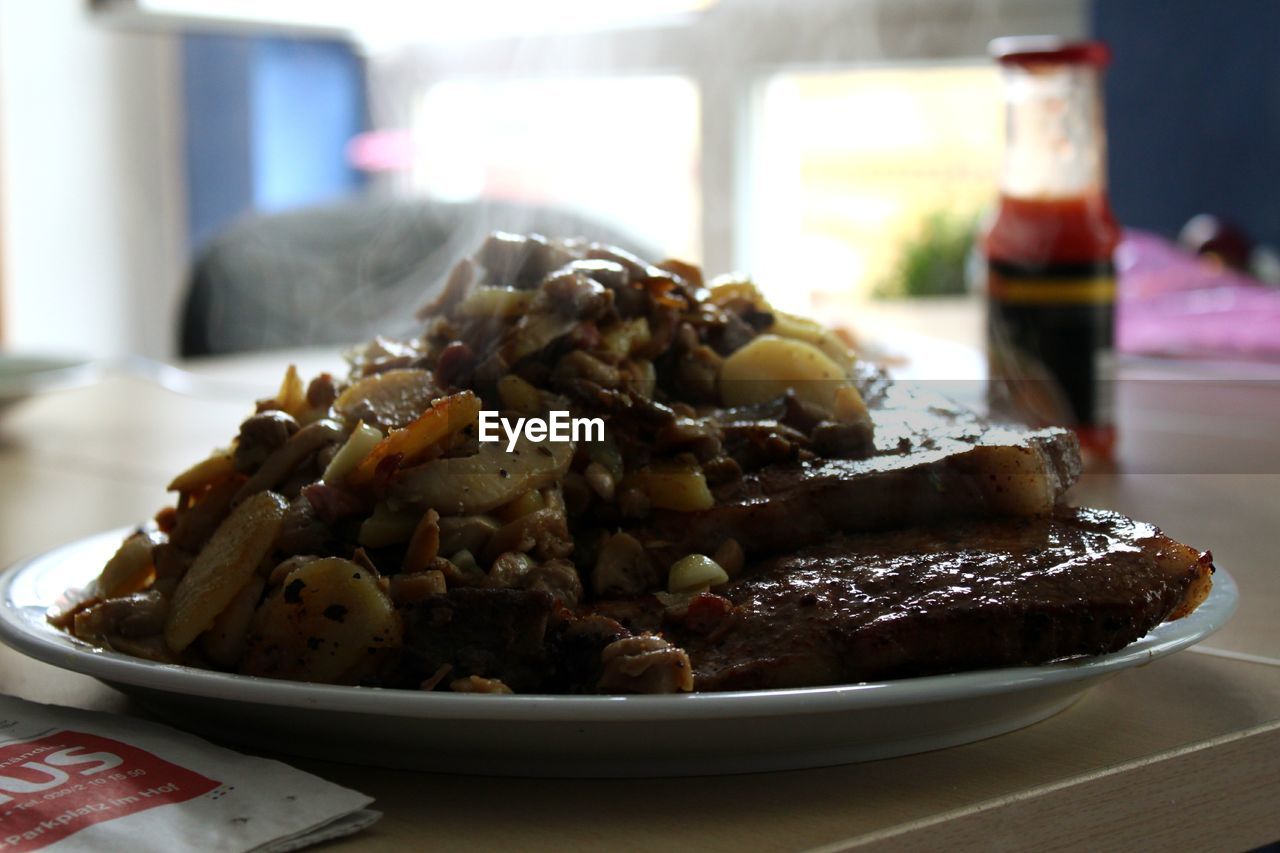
825 145
852 167
396 19
570 143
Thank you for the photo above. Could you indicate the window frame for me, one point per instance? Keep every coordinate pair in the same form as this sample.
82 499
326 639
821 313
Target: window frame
728 69
727 50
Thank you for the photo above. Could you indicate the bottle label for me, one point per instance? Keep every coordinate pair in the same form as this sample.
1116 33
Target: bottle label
1050 330
1050 291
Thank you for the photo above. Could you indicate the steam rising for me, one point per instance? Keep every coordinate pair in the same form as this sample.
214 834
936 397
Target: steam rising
343 274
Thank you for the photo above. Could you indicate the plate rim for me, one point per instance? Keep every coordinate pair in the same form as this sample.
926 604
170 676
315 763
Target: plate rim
44 643
43 371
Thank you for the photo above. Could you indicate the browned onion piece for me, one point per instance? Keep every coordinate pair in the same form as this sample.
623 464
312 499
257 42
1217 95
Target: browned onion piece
467 485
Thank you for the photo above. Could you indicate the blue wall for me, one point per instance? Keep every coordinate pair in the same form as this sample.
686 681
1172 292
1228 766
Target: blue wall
216 79
1193 111
267 124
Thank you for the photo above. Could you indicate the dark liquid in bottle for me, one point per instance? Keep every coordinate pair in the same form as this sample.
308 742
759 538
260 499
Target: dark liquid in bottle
1051 315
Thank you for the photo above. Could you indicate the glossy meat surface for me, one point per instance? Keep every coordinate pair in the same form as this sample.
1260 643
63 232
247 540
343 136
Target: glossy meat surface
973 595
931 461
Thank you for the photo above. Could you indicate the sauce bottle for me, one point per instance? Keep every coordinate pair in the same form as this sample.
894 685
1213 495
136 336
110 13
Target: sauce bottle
1049 247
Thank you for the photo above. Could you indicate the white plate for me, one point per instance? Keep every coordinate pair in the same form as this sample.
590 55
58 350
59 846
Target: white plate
574 735
23 375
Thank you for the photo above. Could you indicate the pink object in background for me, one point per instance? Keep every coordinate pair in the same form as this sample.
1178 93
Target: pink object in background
1170 302
381 151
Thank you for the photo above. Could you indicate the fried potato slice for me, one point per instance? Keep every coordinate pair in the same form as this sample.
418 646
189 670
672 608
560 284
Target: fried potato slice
1178 559
765 368
733 286
497 302
226 640
388 400
328 622
292 396
223 567
672 486
812 332
131 568
206 472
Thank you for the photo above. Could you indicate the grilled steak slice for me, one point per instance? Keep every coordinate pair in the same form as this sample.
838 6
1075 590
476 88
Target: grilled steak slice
972 595
492 633
517 636
932 461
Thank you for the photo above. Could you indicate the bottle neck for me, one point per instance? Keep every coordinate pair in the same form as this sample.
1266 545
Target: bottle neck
1055 141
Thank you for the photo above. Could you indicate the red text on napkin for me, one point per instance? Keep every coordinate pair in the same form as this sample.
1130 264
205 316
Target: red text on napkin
61 783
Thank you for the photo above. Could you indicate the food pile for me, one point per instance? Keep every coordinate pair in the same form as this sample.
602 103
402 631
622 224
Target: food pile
357 531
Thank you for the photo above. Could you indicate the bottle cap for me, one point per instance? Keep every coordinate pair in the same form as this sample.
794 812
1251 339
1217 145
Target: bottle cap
1048 50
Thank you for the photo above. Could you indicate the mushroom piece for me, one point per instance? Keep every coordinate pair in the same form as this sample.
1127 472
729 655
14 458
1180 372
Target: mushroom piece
141 614
623 567
645 664
260 436
290 455
558 577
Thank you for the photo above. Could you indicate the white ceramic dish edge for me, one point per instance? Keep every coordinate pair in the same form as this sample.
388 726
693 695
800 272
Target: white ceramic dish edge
23 627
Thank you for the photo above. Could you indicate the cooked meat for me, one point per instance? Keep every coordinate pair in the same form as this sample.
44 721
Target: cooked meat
976 595
729 517
491 633
973 595
519 637
929 464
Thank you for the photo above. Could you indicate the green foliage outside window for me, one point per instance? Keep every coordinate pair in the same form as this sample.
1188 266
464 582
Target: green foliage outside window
934 261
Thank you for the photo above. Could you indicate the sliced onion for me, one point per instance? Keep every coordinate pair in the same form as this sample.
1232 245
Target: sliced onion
484 481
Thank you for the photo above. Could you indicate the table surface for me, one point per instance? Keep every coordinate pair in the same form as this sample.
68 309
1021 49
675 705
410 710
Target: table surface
1183 751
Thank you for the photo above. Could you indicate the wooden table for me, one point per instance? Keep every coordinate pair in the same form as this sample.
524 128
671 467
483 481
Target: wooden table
1183 752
